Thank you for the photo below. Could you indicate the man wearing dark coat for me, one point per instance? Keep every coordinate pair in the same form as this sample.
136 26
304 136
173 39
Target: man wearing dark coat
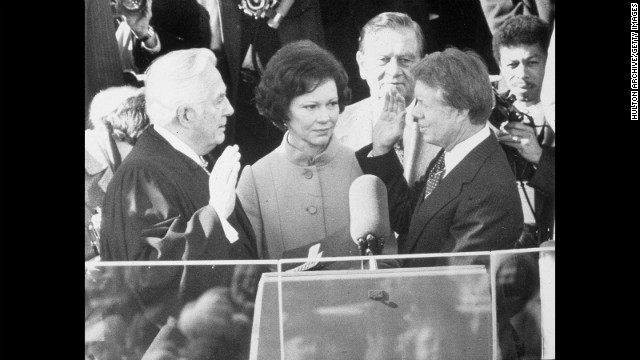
162 204
467 200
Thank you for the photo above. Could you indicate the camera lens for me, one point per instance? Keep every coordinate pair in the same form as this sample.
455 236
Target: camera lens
132 5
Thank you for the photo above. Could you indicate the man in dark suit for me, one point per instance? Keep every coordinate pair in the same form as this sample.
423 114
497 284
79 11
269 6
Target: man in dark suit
467 200
162 204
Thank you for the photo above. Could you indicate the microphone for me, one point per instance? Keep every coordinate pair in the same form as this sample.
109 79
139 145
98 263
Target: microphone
280 13
369 213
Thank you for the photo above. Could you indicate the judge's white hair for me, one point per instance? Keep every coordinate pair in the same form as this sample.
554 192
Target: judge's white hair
176 79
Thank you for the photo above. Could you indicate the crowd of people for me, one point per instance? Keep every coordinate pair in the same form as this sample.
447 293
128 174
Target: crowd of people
236 140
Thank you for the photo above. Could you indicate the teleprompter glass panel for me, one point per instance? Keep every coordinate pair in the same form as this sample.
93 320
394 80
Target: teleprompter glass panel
388 313
188 309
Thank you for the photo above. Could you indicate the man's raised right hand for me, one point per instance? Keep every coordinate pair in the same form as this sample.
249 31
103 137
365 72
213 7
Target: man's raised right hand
223 180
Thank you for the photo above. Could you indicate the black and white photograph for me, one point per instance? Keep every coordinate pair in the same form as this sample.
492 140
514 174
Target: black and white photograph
320 179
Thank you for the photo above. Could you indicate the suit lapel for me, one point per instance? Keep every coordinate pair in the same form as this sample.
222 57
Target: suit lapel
448 189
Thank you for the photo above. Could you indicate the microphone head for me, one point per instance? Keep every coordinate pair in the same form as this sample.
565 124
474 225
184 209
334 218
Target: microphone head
368 208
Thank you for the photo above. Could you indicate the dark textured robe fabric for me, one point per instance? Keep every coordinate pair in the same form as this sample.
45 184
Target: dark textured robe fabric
156 208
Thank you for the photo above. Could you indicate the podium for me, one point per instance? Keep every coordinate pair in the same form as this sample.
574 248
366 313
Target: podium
409 313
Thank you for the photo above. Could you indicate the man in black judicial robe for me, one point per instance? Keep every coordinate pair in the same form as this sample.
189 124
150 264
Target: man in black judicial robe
162 204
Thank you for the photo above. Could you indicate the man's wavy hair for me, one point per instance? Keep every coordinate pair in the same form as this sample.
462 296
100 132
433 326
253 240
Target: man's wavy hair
298 68
521 30
463 79
394 21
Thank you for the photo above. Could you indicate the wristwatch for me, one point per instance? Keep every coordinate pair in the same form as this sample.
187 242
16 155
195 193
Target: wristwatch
149 35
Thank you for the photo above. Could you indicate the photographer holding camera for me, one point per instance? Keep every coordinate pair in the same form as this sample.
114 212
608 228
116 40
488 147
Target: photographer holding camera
520 46
151 28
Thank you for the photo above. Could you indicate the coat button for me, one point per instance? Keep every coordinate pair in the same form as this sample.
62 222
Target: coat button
312 210
308 174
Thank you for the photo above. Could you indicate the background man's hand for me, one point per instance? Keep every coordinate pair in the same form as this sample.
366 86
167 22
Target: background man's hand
139 22
522 138
390 126
222 181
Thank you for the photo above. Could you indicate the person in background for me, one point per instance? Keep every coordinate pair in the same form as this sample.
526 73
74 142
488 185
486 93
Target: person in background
498 11
390 43
548 92
118 118
158 27
520 47
243 44
297 195
102 68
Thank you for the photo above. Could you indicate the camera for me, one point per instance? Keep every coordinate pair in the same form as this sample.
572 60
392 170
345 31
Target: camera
505 112
131 6
259 8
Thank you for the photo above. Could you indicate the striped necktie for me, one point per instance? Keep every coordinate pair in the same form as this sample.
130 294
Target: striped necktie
435 175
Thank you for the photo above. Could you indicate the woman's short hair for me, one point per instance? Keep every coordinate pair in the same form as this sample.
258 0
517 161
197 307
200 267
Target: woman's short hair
394 21
521 30
121 111
296 69
463 79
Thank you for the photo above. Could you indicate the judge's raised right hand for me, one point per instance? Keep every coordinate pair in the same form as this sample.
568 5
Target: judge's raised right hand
222 181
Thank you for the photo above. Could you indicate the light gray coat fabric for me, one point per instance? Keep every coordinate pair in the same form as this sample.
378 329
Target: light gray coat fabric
292 201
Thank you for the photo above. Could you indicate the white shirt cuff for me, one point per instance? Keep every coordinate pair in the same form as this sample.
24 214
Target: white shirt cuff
229 231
